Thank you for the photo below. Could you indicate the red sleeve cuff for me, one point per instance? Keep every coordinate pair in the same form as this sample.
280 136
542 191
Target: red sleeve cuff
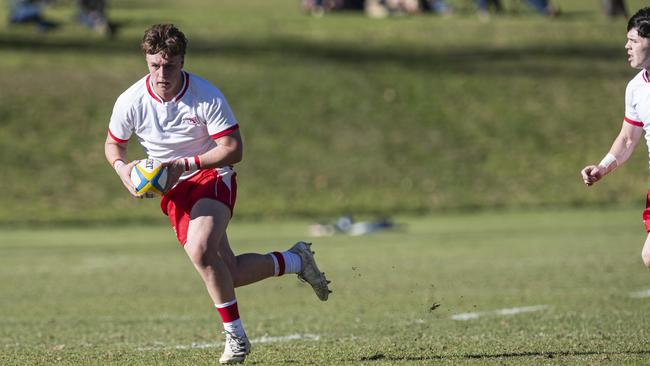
224 132
633 122
117 138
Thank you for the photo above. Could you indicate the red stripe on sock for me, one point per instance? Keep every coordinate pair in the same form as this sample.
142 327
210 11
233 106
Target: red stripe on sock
229 313
280 259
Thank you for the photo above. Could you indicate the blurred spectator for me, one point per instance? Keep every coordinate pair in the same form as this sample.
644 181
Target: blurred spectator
614 8
543 7
436 6
402 6
28 11
382 8
92 14
376 8
320 7
483 7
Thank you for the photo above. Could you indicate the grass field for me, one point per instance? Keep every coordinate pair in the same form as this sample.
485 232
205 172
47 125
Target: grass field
118 296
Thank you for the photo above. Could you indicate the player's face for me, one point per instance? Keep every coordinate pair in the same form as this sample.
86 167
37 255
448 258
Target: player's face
165 74
638 50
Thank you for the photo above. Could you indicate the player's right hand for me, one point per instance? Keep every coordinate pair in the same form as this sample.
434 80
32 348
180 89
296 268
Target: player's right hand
592 174
124 172
175 169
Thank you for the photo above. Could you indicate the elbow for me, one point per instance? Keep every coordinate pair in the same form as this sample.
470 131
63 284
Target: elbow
238 155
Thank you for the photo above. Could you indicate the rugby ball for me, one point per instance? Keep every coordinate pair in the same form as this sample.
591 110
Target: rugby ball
148 177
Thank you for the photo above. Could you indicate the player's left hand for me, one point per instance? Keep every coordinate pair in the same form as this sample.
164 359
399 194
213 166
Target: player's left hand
591 174
175 169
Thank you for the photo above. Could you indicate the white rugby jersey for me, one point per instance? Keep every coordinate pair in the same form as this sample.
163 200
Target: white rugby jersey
637 103
184 127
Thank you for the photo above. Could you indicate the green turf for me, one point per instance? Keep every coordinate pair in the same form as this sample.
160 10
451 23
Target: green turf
338 113
128 295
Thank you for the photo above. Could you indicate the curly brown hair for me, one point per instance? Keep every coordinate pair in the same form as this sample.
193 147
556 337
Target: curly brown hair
165 39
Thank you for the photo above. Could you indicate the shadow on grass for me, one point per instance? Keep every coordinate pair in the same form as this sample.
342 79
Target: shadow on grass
532 60
550 355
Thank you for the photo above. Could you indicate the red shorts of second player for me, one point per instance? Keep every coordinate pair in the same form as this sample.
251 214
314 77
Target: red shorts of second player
646 212
177 203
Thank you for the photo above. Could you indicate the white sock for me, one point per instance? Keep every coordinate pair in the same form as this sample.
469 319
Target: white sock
234 327
292 262
285 262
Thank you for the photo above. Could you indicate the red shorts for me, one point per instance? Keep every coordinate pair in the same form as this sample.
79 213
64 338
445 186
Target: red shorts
177 203
646 212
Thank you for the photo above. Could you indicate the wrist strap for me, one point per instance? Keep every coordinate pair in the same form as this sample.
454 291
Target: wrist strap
192 164
608 160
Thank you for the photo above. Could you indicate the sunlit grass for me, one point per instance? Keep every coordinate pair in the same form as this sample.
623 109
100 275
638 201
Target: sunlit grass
129 295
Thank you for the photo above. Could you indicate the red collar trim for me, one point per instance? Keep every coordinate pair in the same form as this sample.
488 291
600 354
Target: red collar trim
646 78
151 92
186 84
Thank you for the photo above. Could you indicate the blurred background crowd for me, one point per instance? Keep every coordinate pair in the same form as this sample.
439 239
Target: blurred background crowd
484 8
90 13
93 13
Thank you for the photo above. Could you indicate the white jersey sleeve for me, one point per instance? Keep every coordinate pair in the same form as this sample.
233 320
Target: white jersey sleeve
636 102
218 115
121 125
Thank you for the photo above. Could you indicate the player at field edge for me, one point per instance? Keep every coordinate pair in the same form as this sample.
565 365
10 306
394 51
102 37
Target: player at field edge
186 122
637 113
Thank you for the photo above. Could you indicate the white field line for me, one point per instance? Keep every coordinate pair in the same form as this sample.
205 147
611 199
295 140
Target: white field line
500 312
640 294
466 316
158 346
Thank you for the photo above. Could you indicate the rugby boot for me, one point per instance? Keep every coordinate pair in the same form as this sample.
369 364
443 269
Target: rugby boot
235 350
309 271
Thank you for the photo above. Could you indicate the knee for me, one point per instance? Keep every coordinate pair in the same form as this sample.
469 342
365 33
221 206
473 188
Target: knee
201 258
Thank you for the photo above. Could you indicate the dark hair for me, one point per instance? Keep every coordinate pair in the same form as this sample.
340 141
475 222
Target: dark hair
641 22
165 38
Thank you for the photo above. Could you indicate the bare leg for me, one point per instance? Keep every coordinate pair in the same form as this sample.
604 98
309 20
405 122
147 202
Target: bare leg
645 253
206 230
246 268
209 250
